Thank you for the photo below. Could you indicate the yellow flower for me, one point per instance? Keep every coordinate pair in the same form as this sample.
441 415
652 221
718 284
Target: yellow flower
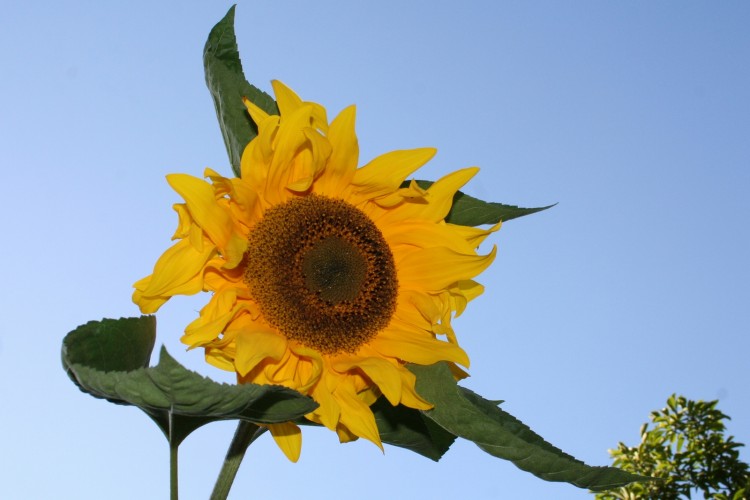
325 278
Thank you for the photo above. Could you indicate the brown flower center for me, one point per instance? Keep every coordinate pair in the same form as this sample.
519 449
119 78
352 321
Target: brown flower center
322 273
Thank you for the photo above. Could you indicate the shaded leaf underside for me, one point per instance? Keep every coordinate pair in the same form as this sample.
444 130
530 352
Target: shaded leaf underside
177 399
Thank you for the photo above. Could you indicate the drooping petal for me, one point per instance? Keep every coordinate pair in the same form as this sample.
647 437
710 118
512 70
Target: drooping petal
329 411
288 437
356 415
383 373
178 271
409 396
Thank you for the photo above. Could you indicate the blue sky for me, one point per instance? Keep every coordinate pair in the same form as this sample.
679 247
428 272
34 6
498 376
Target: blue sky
633 116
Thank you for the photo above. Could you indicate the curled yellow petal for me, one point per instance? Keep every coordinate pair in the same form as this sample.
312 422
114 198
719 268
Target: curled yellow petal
437 268
256 345
201 203
178 271
402 342
384 174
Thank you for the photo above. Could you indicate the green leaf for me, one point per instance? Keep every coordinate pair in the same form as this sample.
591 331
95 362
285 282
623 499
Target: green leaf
408 428
226 82
470 211
132 339
177 399
468 415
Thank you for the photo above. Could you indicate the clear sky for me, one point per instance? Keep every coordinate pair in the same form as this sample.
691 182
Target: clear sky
633 116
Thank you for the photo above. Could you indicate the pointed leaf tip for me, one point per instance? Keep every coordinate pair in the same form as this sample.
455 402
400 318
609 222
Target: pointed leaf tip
226 82
468 415
469 211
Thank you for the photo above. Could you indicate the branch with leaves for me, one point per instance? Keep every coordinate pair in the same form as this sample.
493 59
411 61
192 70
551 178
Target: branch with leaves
684 446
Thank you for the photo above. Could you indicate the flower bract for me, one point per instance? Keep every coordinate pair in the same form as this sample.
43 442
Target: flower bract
325 277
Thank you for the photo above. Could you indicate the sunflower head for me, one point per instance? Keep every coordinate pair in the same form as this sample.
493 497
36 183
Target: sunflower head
325 277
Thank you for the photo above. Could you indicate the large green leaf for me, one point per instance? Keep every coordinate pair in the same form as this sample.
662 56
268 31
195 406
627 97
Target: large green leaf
109 358
470 211
468 415
227 84
408 428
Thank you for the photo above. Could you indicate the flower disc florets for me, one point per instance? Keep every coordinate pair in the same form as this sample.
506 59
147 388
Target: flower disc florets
322 273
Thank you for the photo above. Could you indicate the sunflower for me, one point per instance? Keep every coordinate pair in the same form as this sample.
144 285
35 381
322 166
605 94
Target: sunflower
325 277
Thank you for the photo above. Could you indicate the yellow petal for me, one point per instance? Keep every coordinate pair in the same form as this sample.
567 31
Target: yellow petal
413 194
258 154
438 201
204 330
256 113
288 438
220 358
147 305
317 365
474 236
289 102
384 174
201 202
309 162
357 416
383 373
434 269
329 411
418 308
287 165
403 342
184 221
463 292
342 163
238 194
423 234
286 98
255 346
345 435
409 396
179 266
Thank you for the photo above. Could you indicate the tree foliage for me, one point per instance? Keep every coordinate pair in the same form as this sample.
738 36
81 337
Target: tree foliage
685 448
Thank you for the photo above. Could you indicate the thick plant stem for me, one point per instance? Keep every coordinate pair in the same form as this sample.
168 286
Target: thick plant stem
245 434
173 494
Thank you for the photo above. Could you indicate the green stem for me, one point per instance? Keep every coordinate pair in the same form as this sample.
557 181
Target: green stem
245 434
173 471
